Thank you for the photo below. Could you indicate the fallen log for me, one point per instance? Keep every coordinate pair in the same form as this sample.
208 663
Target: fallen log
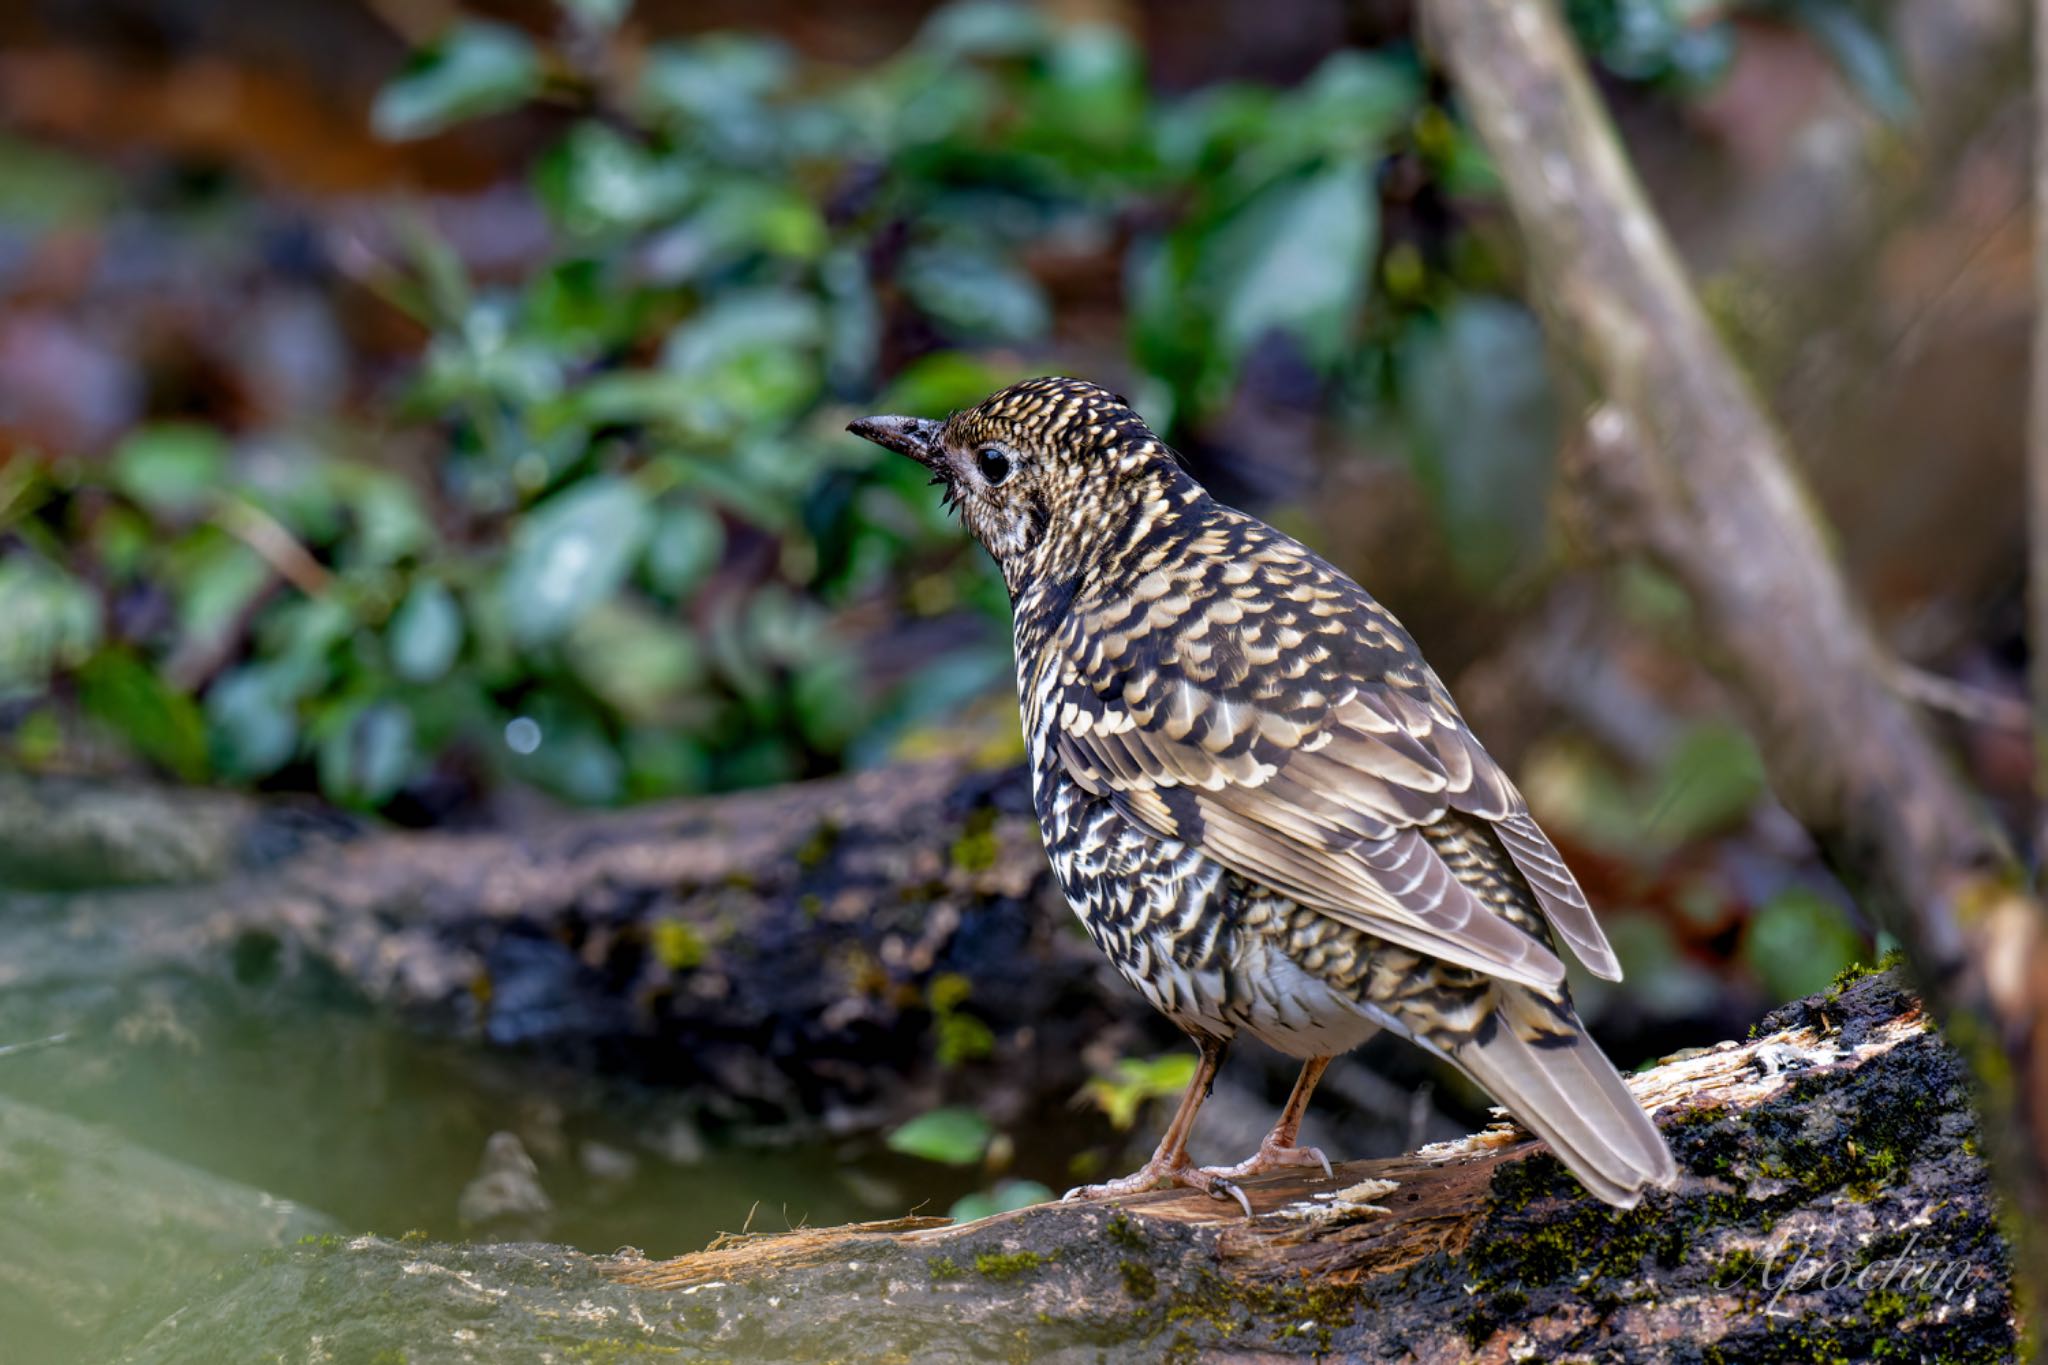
1833 1205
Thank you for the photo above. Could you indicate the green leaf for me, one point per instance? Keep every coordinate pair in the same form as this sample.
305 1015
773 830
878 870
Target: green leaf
1136 1080
366 753
173 469
1712 780
52 622
954 1136
573 757
1296 260
475 69
161 723
984 28
1481 422
425 634
600 15
570 553
216 577
715 87
1797 942
1006 1197
687 544
390 523
748 361
41 187
598 180
252 721
639 664
935 384
977 296
1863 54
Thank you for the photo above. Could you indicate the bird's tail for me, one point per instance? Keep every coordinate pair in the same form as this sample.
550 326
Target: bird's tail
1539 1062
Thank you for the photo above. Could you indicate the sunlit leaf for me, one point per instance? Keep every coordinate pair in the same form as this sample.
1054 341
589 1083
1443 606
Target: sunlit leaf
1137 1080
475 69
954 1136
570 553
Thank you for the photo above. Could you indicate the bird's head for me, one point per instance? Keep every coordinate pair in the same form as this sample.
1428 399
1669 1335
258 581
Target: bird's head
1034 469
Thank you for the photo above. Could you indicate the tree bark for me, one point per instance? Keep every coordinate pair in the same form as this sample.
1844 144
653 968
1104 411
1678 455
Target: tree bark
1683 465
1832 1206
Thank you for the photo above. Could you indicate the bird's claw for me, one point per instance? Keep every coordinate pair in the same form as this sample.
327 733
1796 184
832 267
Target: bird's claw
1154 1173
1273 1158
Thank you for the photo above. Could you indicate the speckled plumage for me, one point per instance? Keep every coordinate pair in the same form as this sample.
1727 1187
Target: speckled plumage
1258 798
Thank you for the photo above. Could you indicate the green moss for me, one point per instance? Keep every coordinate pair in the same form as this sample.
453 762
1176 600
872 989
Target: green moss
326 1241
676 945
816 849
1007 1265
609 1350
390 1355
1125 1233
413 1237
943 1268
1139 1281
976 848
1850 975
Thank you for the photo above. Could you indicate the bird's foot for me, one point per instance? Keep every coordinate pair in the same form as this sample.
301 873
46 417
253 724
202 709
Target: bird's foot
1272 1156
1157 1172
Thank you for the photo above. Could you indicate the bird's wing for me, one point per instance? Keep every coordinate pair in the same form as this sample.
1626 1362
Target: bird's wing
1269 711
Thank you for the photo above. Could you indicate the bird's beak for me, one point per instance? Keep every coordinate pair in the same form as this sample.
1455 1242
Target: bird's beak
917 437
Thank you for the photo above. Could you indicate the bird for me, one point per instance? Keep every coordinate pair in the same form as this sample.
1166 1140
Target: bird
1260 800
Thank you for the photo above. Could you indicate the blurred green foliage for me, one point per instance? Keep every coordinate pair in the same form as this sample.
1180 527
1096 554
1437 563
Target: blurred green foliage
626 575
954 1136
1689 44
1137 1080
647 559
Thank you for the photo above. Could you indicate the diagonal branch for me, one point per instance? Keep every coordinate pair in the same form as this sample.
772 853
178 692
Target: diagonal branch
1684 466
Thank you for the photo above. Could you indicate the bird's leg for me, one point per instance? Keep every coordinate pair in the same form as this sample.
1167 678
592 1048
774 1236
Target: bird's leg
1169 1163
1278 1151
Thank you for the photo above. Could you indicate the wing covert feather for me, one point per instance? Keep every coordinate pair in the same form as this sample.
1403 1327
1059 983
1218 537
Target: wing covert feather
1288 726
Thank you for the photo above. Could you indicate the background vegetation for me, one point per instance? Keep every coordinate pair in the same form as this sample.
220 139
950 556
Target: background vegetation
465 441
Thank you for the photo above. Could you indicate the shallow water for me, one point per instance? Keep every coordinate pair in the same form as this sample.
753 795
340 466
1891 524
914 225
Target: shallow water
288 1084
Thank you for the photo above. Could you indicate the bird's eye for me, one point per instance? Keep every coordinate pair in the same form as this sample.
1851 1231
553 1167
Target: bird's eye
994 465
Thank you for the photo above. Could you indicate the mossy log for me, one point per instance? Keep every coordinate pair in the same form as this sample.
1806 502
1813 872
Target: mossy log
789 956
1832 1207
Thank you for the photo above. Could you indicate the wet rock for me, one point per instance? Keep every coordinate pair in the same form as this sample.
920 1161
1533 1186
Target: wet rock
93 1223
506 1199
